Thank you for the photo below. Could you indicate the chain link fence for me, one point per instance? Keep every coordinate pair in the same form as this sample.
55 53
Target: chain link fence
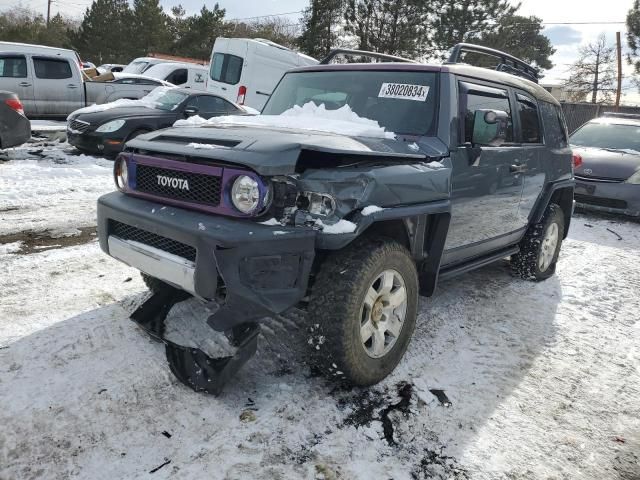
577 114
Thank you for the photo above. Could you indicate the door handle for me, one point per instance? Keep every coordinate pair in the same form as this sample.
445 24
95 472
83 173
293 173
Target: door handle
72 85
24 84
224 88
263 93
518 168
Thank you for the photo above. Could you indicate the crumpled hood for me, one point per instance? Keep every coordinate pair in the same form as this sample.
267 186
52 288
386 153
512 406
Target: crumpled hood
276 151
599 163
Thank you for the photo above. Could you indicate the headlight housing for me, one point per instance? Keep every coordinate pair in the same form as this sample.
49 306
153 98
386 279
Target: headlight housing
634 179
121 173
319 204
111 126
245 194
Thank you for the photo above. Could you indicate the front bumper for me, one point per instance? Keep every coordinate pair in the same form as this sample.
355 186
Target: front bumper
264 269
108 144
619 198
14 131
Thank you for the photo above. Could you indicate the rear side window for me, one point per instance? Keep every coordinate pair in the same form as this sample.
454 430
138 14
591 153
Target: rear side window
52 68
210 104
529 119
178 77
13 67
226 68
555 127
476 97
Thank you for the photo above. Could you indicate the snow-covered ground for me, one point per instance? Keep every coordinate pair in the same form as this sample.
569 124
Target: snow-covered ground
537 380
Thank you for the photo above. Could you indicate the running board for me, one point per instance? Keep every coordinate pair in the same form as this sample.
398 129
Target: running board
191 365
476 263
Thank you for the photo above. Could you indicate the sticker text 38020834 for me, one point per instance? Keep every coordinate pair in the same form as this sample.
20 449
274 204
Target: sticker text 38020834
404 91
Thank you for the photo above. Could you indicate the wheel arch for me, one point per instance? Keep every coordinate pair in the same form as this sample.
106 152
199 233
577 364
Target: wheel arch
560 193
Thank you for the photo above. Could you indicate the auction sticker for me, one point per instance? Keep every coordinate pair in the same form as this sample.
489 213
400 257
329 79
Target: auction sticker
404 91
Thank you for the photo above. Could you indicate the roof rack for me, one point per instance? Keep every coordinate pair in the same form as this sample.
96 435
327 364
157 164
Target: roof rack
382 56
634 116
508 63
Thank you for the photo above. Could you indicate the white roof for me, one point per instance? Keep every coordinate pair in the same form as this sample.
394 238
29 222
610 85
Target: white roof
6 45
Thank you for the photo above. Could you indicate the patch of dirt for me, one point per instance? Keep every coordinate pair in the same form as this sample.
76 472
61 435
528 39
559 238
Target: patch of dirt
35 242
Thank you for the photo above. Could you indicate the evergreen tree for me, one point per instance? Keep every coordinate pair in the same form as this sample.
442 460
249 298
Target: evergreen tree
320 27
200 32
633 35
458 21
105 34
521 37
150 28
389 26
23 25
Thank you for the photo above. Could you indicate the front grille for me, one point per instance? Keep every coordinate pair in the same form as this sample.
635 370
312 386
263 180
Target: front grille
202 188
78 125
600 202
127 232
598 179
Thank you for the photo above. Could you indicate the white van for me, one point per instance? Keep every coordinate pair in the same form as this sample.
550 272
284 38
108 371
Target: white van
246 71
186 75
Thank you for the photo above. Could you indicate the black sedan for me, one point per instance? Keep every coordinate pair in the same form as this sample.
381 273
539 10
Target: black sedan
106 128
15 128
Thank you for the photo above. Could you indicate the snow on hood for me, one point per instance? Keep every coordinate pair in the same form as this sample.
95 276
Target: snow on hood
310 116
148 101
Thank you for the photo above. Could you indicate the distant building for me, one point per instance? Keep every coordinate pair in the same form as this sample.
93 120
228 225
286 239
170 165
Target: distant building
560 93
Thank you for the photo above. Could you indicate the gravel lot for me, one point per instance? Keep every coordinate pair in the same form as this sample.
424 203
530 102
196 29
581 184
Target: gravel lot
536 380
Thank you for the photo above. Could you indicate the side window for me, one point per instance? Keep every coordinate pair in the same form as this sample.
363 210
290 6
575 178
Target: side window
51 68
555 127
210 105
13 67
178 77
483 98
529 119
226 68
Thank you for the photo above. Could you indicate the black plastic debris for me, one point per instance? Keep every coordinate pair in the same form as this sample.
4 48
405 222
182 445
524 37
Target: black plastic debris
441 396
160 466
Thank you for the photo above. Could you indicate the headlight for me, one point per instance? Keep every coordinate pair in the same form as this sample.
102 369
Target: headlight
317 203
111 126
245 194
635 178
121 173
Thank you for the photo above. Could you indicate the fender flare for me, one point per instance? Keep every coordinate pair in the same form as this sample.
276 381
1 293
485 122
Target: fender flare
545 198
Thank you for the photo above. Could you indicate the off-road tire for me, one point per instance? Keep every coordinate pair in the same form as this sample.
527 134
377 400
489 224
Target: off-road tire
153 284
335 308
526 264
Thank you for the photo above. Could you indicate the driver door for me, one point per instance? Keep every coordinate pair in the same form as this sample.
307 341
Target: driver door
486 190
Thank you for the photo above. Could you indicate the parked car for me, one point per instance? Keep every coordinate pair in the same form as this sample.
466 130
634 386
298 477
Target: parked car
106 131
608 178
50 83
86 65
345 198
187 75
111 67
135 79
246 71
142 64
15 128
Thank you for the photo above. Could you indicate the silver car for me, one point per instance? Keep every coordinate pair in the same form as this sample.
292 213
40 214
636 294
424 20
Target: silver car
607 171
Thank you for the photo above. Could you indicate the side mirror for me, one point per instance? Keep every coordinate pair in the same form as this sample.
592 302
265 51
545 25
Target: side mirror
190 111
490 128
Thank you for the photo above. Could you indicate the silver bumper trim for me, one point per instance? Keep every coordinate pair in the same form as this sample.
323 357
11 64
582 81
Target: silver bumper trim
162 265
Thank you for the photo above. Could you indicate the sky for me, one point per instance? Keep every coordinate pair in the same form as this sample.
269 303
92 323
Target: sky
565 38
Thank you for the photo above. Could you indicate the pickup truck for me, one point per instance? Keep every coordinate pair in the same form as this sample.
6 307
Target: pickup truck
50 82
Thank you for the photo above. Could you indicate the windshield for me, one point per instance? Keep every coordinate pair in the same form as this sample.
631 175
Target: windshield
136 67
609 136
401 102
167 100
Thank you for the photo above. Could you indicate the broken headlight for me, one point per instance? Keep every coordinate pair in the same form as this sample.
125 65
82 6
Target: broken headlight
319 204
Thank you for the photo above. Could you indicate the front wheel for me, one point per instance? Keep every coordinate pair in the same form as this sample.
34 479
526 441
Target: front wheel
362 310
540 247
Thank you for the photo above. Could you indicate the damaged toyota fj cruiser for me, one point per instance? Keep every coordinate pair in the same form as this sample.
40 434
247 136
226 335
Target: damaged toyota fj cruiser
357 189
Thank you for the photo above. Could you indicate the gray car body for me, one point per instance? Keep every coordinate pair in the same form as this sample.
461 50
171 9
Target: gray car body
601 180
15 129
472 207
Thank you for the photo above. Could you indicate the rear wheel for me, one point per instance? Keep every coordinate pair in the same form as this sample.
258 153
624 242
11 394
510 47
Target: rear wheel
362 310
540 247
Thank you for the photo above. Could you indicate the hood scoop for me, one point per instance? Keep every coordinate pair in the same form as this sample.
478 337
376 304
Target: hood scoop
199 141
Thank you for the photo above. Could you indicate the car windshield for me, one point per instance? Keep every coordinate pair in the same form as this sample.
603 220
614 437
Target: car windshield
402 102
608 136
167 100
136 67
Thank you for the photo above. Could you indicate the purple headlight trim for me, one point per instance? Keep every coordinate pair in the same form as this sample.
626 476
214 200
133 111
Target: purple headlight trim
228 175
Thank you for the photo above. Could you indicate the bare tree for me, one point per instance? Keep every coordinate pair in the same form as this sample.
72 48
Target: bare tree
594 73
